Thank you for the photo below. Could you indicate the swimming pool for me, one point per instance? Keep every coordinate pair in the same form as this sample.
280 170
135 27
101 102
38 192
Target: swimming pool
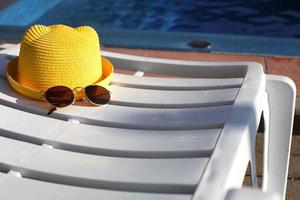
166 24
256 17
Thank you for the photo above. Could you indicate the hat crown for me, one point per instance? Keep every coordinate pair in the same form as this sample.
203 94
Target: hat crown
59 55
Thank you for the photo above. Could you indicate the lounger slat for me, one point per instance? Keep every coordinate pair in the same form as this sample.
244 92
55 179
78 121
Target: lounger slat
137 143
122 116
179 68
175 83
107 141
25 188
128 174
171 99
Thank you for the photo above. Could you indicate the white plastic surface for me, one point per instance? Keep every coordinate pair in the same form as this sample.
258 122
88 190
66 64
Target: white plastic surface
107 140
12 188
159 138
175 83
71 168
126 96
250 194
282 96
124 116
137 117
233 150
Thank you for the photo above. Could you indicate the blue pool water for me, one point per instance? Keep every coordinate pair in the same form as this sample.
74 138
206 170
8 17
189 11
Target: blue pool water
239 26
280 18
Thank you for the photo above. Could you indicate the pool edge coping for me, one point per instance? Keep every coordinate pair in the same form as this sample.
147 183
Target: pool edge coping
178 41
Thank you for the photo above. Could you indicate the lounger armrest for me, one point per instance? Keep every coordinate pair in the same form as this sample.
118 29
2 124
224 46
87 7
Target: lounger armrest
278 118
250 194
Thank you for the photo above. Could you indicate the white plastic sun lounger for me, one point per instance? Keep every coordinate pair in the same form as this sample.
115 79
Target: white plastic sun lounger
159 138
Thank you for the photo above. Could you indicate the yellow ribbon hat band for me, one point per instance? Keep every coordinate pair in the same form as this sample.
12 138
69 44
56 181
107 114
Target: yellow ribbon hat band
12 68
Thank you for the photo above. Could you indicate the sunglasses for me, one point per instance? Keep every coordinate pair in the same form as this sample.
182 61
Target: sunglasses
62 96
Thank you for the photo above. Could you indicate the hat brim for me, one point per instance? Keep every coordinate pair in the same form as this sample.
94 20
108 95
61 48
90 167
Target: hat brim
11 74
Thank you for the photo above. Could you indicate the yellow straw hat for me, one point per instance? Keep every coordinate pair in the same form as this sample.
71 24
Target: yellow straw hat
58 55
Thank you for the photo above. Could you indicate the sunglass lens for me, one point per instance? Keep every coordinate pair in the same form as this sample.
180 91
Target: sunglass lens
97 95
59 96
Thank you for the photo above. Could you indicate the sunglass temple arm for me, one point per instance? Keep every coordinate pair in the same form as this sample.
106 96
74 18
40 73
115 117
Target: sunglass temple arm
52 110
